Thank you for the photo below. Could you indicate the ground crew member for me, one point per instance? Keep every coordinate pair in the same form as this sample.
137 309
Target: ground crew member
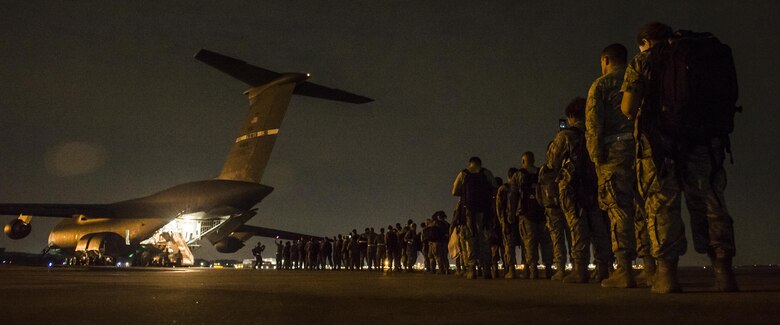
667 167
279 252
258 254
475 186
286 255
611 147
568 159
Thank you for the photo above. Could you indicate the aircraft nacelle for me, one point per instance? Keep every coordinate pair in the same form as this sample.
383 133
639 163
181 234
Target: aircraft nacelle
17 229
229 245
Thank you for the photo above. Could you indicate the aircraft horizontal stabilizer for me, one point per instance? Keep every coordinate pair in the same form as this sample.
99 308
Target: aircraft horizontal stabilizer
255 76
272 233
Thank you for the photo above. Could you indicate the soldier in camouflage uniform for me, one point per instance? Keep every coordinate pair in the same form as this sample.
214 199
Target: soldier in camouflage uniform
556 223
611 147
585 220
696 170
509 227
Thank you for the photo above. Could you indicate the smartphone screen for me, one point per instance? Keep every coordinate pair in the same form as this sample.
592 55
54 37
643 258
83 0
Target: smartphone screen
561 124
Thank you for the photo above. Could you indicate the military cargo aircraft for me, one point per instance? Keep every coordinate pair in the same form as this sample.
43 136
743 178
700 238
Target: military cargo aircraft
172 221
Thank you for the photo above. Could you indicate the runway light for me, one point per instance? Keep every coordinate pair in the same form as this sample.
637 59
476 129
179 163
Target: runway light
50 264
127 264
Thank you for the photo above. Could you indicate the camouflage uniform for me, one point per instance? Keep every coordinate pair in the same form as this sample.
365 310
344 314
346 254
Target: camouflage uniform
556 223
585 220
611 146
509 227
478 227
697 172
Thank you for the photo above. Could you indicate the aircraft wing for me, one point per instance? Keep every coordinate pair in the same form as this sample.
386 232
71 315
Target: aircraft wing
57 210
272 233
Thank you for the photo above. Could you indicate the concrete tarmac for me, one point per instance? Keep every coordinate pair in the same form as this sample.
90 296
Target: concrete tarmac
34 295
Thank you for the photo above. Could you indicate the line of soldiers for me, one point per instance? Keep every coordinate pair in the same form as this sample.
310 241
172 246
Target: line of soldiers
394 248
614 184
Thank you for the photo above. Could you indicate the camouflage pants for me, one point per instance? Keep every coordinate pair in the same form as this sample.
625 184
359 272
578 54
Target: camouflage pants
536 238
476 235
587 225
702 179
643 243
510 241
617 189
559 234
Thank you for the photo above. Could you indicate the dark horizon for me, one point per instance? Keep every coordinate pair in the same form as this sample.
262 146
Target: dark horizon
104 102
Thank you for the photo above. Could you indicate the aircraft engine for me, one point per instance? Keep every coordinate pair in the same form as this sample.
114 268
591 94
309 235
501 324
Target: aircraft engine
229 245
17 229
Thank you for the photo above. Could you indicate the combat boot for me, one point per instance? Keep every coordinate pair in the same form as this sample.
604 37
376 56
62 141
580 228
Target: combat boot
579 273
725 281
623 276
510 272
548 272
533 272
602 271
487 272
560 272
666 279
648 271
471 274
525 274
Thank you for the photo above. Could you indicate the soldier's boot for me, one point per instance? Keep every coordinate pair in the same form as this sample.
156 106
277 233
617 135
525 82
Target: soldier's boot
510 272
548 272
533 272
602 271
560 272
525 272
648 271
471 274
725 281
487 272
579 273
666 279
623 276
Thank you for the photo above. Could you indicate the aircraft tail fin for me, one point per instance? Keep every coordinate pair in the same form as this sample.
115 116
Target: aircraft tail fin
269 97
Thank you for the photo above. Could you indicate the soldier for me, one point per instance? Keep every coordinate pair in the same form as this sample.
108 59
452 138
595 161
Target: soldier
338 247
381 250
326 251
363 245
393 249
531 216
611 147
302 253
401 232
412 239
556 224
371 249
354 251
476 185
258 254
440 243
568 159
673 159
508 222
424 245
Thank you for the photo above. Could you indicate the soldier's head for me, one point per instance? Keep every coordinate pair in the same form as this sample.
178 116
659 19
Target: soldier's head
390 227
340 236
382 230
527 160
475 162
413 226
511 172
409 222
612 57
422 225
398 225
499 181
651 34
575 111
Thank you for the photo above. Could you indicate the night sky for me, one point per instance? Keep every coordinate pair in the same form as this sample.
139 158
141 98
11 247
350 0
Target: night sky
102 102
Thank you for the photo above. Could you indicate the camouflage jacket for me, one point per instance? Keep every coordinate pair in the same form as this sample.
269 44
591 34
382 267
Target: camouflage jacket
603 116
